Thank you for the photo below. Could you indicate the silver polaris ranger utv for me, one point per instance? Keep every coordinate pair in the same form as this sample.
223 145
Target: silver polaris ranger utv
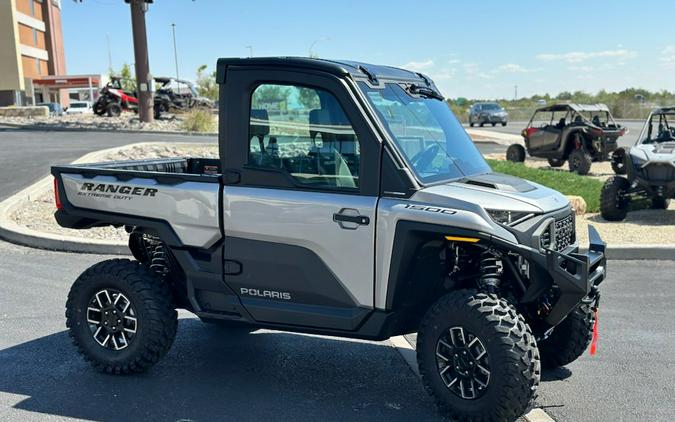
348 201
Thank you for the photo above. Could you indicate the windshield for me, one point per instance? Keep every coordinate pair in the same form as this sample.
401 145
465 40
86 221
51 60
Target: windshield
491 107
659 128
426 133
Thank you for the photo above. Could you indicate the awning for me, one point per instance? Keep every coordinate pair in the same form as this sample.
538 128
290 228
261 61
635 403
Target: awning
67 81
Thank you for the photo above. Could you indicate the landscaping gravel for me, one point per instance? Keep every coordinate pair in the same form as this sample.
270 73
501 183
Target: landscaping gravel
126 121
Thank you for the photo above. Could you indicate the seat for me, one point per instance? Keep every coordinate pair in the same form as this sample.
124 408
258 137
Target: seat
259 128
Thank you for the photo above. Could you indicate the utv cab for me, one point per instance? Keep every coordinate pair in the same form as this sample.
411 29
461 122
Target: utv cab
650 169
577 133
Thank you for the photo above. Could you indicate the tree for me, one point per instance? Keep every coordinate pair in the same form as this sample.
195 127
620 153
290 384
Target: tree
128 79
309 98
266 95
206 83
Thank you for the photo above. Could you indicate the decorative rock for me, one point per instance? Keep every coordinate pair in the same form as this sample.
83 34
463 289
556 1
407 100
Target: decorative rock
578 203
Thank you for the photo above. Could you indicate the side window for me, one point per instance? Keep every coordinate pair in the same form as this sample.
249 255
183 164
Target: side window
305 132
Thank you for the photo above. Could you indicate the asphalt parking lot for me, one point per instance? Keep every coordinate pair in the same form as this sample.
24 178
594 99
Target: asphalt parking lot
215 374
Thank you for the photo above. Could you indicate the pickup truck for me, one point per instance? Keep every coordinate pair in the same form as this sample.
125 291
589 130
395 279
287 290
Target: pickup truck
347 201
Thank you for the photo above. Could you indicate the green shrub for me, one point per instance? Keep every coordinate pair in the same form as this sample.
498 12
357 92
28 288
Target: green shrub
560 180
199 121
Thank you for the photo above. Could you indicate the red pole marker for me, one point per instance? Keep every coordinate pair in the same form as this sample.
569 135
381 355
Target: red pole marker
594 342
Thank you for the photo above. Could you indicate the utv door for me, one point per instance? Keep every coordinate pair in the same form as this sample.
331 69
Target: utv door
547 137
299 201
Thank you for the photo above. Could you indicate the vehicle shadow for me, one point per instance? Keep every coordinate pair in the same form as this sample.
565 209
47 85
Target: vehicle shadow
213 373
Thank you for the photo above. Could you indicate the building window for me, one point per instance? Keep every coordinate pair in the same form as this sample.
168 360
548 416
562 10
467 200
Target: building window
32 8
35 37
37 66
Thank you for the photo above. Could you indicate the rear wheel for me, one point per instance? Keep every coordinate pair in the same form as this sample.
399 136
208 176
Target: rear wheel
113 110
503 123
515 153
580 162
477 357
555 162
570 339
120 316
613 201
99 108
660 203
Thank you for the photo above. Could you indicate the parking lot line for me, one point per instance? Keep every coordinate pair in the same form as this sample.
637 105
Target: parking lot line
407 351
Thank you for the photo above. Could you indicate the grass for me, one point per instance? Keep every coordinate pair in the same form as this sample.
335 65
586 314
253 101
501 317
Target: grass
199 121
560 180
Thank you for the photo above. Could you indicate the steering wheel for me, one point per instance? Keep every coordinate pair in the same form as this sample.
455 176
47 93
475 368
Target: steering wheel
422 159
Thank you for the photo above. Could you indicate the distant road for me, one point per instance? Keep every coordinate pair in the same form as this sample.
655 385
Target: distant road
634 128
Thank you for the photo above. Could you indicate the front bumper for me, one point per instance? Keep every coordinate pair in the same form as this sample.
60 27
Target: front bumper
577 275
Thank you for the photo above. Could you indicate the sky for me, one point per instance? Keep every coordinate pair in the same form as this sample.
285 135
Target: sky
473 49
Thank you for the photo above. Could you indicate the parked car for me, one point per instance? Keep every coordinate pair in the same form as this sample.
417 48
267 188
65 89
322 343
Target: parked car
650 169
577 133
281 232
79 107
55 109
490 113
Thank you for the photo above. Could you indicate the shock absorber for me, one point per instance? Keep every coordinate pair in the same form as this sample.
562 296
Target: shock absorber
490 271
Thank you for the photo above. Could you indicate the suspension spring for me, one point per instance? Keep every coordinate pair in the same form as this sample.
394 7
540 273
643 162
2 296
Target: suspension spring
490 271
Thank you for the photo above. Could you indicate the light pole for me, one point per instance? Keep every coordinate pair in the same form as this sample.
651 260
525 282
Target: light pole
250 50
311 46
138 9
175 56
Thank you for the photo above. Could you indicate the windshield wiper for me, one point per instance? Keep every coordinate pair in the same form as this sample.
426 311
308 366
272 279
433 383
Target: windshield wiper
425 91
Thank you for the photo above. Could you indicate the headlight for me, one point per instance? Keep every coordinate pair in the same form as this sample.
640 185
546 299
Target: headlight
508 218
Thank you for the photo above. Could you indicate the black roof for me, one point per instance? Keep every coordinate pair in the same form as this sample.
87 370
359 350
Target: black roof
336 67
664 110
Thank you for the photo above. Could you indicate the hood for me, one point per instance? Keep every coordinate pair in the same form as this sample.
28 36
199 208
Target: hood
658 151
495 191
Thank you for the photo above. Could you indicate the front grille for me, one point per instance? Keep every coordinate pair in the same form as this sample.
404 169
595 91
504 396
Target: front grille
658 172
565 232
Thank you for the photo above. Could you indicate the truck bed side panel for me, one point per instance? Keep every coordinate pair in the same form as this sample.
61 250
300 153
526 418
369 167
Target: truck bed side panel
190 207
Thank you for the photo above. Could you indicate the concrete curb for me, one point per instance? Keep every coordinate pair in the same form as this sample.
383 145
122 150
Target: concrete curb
84 129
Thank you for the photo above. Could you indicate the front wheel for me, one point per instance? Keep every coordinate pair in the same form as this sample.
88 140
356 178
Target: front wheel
555 162
613 200
570 339
515 153
120 316
503 123
477 357
660 203
580 161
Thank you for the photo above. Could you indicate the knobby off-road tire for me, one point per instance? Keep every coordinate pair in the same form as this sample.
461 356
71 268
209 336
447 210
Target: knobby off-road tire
579 162
511 357
660 203
515 153
570 339
555 162
149 298
618 161
613 204
113 110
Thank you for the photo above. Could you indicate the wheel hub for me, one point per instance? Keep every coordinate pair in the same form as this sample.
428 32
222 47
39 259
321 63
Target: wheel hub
463 363
112 319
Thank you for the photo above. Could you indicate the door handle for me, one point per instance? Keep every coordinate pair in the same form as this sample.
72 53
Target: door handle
356 219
